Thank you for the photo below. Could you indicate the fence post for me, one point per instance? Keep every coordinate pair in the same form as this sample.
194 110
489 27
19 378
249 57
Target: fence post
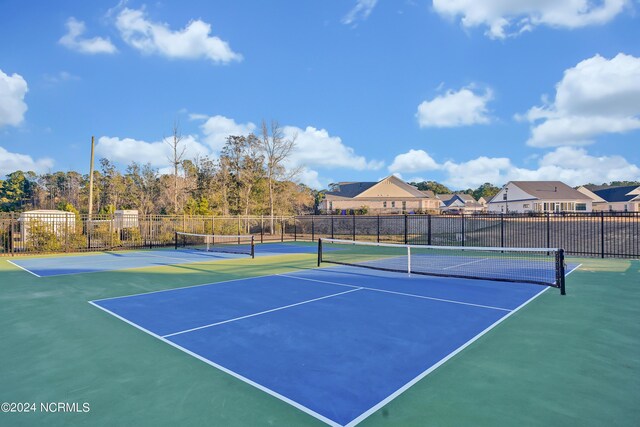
295 229
601 234
429 229
502 230
66 233
406 229
378 230
548 231
353 231
462 217
11 230
282 229
261 228
332 226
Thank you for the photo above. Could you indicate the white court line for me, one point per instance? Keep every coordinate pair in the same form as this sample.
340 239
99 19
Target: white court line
260 313
22 268
465 263
402 389
398 293
225 370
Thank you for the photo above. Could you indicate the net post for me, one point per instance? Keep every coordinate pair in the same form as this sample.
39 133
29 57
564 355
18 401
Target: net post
319 252
408 259
560 274
282 223
176 239
253 247
429 229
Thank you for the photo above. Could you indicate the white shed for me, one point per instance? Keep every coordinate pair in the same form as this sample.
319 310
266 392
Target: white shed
125 218
53 220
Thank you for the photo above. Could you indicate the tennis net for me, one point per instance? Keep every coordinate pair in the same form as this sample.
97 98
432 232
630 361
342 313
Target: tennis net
243 245
543 266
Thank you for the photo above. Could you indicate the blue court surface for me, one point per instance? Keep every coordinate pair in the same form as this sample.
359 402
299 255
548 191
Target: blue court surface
109 261
337 343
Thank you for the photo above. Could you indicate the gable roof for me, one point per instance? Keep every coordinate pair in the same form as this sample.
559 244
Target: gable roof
590 193
619 194
368 189
351 189
550 190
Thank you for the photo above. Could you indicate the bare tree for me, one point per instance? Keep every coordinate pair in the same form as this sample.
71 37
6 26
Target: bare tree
276 149
176 157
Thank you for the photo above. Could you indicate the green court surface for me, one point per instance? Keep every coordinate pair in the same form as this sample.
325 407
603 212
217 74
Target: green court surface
569 360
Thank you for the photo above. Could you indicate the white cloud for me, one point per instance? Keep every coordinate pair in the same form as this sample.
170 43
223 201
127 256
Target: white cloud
12 106
11 162
73 40
505 18
595 97
571 165
216 129
127 150
413 161
311 178
452 109
360 11
191 42
315 147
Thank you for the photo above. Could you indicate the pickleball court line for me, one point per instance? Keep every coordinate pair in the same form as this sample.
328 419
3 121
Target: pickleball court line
22 268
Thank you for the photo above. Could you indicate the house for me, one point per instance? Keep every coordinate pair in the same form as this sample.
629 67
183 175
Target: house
620 199
459 203
539 196
390 195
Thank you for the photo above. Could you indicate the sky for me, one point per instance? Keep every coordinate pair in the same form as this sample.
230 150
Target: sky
457 91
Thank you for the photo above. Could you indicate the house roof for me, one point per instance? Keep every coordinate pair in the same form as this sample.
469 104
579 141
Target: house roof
378 189
351 189
550 190
445 197
428 193
619 194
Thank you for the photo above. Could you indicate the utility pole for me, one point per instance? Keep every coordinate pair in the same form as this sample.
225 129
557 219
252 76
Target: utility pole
91 180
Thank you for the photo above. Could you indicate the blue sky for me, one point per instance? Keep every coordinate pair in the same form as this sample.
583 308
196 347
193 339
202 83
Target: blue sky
461 92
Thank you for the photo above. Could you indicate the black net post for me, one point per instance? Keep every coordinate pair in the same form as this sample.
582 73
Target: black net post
319 251
282 223
560 279
176 239
332 226
253 247
378 230
462 218
295 229
502 230
429 229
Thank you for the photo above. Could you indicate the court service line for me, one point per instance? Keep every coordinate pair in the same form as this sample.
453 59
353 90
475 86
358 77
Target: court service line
260 313
398 293
465 263
402 389
22 268
225 370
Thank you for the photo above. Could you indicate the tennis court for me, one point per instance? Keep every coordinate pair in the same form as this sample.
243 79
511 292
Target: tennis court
277 341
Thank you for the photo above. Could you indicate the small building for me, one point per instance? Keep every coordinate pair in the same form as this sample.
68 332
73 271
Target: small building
390 195
614 199
52 221
459 203
125 218
539 196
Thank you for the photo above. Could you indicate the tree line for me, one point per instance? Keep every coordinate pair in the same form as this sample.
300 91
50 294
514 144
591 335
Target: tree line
248 178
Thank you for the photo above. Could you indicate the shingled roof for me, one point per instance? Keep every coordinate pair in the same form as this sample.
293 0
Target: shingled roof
550 190
351 189
618 194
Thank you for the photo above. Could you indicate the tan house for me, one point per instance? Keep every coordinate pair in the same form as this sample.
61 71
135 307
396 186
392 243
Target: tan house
391 195
539 196
614 199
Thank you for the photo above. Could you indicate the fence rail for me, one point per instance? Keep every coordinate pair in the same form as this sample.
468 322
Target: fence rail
602 234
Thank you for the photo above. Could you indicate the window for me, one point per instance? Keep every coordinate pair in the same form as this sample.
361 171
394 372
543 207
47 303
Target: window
625 208
404 206
393 204
526 206
384 204
581 206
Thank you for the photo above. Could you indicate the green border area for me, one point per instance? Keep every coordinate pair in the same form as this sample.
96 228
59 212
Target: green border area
560 361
